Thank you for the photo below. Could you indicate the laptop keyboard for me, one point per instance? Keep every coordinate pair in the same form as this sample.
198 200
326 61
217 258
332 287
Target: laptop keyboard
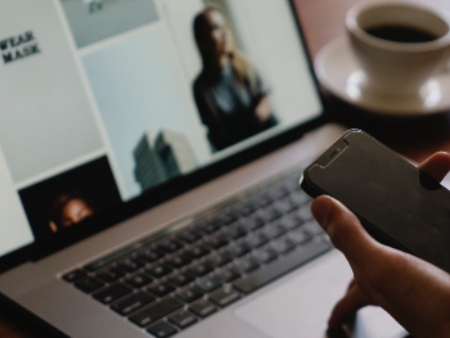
167 284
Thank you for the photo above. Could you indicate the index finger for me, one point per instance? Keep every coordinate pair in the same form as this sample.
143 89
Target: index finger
437 165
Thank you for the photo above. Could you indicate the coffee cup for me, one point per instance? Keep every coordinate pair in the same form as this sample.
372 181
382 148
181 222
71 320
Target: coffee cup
400 45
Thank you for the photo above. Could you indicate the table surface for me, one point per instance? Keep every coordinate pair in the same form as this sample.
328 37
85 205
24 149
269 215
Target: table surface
415 138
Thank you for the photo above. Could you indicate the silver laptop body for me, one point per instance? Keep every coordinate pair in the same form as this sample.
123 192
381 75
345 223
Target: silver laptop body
105 147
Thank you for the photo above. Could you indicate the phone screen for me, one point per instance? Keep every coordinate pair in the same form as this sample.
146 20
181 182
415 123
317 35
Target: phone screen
392 197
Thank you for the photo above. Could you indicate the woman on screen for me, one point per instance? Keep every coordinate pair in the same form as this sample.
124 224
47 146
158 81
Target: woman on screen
231 98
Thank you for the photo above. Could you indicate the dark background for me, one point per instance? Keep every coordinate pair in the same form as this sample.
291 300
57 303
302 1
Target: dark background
93 180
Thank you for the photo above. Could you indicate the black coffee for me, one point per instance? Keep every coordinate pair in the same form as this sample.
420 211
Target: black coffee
401 34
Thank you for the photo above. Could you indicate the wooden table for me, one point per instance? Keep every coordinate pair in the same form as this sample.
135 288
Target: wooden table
416 138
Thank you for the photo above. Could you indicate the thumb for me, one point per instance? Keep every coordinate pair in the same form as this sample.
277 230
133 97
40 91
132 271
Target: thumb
344 229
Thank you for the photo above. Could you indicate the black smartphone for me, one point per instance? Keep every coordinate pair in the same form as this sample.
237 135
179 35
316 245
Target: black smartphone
398 204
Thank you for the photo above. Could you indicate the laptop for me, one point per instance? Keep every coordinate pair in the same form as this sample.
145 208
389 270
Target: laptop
150 157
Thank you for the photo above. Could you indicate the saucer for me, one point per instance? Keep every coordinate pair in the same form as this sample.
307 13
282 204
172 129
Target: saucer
339 73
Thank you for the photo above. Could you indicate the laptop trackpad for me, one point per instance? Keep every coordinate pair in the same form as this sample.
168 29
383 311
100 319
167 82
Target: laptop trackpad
300 305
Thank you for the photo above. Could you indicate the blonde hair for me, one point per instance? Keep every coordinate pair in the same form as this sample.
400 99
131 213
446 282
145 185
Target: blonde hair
241 66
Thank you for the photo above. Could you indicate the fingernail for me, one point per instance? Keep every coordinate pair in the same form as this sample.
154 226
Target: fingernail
320 209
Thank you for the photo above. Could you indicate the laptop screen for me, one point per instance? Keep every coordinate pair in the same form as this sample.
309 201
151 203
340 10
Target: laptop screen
103 100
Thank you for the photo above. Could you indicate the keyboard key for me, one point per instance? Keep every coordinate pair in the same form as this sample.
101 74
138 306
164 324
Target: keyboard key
179 261
138 281
132 303
238 249
74 275
299 198
246 264
281 246
261 201
224 296
264 255
180 278
229 217
251 223
228 274
255 240
190 294
209 283
233 232
211 226
289 222
244 208
268 214
274 270
150 256
241 224
107 260
298 236
189 236
236 207
112 293
197 231
203 308
155 311
162 329
88 284
284 206
217 241
220 258
304 213
130 265
197 252
201 269
183 318
159 271
276 192
169 246
272 231
110 275
161 289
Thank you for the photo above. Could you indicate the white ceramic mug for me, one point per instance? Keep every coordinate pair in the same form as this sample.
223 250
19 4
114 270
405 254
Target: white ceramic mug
393 67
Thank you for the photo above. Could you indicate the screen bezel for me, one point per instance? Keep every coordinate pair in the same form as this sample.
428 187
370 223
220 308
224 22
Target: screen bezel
164 192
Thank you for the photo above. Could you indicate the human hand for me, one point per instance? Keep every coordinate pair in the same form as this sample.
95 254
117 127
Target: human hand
414 292
264 109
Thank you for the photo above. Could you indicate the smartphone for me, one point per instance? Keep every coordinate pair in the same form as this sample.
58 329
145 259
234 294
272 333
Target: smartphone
398 204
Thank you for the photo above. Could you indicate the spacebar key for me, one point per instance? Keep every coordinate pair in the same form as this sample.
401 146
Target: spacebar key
155 311
279 267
